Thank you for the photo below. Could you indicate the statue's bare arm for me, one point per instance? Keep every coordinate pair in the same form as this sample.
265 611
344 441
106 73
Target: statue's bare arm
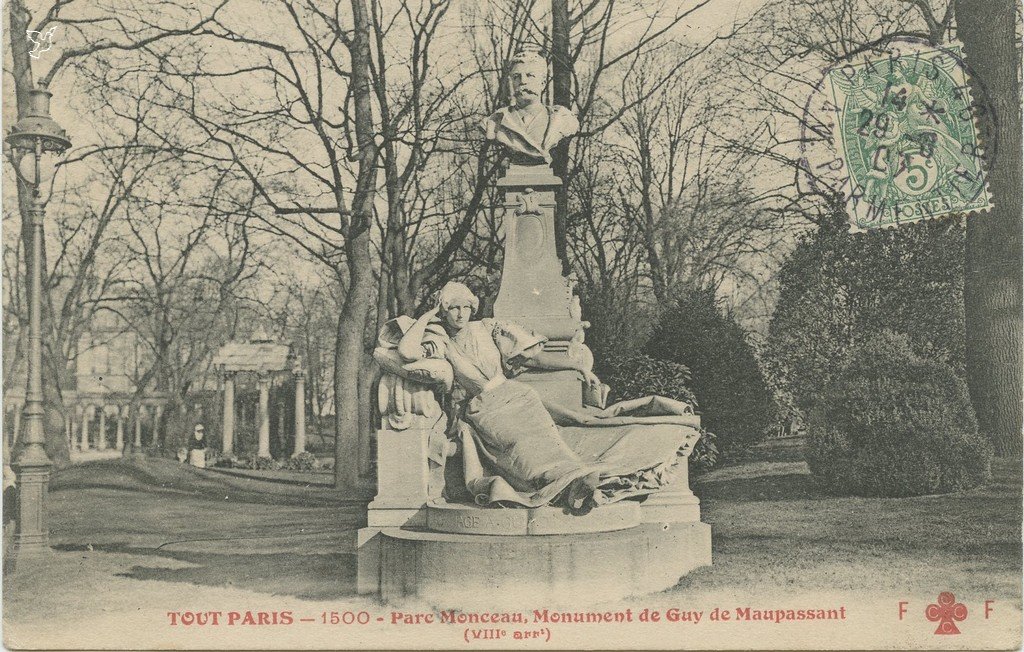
410 347
556 362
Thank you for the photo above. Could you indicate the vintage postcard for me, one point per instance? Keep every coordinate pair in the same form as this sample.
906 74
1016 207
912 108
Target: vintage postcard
512 324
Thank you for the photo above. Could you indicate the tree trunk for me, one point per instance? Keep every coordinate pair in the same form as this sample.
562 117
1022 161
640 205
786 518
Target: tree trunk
992 274
359 300
561 88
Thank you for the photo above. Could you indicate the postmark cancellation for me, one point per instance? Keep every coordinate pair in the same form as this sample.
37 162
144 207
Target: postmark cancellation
906 131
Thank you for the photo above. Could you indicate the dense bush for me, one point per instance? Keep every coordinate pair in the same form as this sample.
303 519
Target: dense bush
894 423
305 461
230 462
728 384
837 286
634 376
258 463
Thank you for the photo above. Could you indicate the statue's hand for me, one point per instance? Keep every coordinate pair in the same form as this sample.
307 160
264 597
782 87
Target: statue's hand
591 378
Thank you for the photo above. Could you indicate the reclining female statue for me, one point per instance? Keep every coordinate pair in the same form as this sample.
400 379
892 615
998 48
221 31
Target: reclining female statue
516 450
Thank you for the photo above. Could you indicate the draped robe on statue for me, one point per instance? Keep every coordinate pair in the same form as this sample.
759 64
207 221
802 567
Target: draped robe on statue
519 451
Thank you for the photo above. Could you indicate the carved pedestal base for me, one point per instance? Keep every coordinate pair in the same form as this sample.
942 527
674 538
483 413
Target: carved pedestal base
479 571
468 519
676 503
409 473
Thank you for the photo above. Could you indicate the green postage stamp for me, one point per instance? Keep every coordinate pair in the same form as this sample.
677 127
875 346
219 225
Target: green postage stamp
906 131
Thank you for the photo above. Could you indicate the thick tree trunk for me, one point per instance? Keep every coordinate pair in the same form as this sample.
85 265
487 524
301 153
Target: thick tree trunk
359 300
992 274
561 90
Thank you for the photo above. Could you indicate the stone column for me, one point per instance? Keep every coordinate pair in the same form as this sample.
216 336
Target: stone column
264 416
101 436
137 444
86 417
228 432
300 412
156 425
119 413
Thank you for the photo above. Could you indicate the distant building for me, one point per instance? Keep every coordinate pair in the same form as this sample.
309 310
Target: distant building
102 383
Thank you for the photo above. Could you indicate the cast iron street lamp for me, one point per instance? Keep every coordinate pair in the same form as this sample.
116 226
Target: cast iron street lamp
34 141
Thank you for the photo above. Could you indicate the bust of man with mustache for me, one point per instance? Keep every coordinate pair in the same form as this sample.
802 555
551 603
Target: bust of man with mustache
527 128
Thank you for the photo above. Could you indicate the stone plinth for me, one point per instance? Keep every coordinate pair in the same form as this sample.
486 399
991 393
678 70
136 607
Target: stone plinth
676 503
533 291
480 571
468 519
403 488
402 471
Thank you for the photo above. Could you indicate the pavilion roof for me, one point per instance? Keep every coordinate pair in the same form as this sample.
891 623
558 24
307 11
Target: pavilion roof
254 356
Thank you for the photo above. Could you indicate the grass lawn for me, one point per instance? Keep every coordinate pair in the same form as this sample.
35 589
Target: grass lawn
134 540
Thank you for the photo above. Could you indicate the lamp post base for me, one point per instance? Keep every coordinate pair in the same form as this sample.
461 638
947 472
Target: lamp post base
33 479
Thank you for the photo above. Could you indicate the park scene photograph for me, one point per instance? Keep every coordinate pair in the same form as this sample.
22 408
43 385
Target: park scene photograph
514 324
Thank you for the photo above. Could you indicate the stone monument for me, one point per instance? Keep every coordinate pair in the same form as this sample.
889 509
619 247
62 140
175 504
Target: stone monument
416 543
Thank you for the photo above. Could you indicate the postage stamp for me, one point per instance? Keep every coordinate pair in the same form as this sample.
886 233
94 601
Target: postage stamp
906 132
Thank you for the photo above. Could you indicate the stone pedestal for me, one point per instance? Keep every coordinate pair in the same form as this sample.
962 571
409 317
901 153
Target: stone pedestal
469 519
533 291
403 480
676 504
458 554
481 571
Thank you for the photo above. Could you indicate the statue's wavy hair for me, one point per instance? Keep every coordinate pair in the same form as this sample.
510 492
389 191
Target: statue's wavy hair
528 56
454 291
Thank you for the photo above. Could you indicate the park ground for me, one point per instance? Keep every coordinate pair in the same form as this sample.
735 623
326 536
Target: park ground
134 540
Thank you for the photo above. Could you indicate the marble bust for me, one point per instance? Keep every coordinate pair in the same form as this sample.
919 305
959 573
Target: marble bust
529 129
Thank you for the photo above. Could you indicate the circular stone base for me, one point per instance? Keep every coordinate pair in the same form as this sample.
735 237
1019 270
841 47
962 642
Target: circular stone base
470 519
480 571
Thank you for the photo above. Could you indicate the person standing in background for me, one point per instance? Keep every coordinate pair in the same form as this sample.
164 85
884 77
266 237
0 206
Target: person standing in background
197 447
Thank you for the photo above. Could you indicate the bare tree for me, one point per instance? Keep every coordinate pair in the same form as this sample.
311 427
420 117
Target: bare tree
88 30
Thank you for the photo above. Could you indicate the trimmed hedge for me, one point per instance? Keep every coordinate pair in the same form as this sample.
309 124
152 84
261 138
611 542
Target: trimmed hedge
893 423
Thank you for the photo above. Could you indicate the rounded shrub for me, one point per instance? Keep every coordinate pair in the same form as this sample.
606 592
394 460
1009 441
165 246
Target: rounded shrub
893 423
734 398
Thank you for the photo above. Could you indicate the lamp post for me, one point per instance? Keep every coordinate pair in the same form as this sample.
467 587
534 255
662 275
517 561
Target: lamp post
31 139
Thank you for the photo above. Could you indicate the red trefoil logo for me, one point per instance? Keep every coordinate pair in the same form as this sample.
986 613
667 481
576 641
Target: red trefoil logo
947 612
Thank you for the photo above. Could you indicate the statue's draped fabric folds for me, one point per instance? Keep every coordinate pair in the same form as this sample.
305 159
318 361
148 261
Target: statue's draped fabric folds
518 451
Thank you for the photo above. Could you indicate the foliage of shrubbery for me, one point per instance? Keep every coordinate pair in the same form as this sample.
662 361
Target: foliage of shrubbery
258 463
634 376
304 461
894 423
836 287
728 384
